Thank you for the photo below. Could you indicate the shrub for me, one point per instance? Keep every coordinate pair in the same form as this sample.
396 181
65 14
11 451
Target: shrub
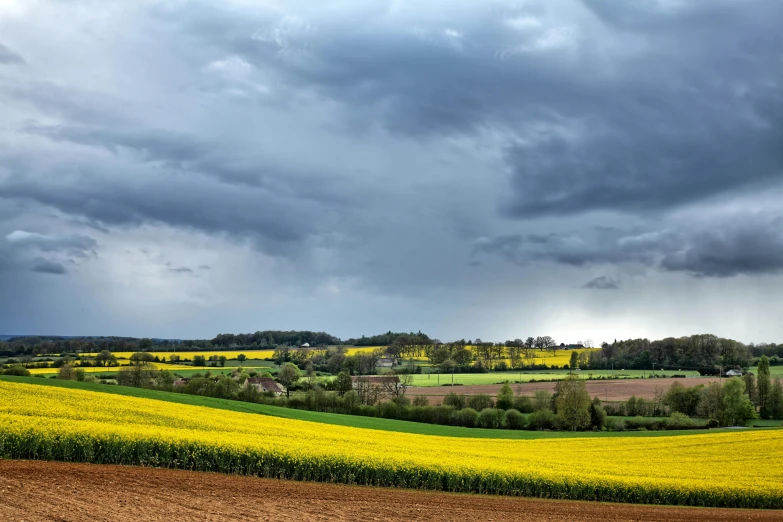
523 404
515 420
541 420
465 417
643 423
17 370
490 418
480 402
389 410
678 421
66 372
614 424
454 400
420 400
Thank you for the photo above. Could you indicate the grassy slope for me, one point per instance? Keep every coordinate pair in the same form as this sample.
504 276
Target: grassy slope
332 418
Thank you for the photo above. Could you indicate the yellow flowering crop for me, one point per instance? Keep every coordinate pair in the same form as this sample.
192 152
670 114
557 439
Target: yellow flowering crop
230 354
738 469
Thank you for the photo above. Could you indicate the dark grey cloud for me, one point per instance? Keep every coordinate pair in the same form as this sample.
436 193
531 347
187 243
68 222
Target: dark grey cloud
75 245
45 253
181 270
177 200
9 56
723 247
602 283
352 154
683 102
44 266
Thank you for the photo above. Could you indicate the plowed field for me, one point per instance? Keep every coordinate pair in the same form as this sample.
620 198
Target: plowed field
609 390
47 491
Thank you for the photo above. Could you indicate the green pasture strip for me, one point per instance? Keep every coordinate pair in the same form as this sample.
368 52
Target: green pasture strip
467 379
338 419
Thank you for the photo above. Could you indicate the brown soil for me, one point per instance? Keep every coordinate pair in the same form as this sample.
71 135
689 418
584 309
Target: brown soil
616 390
57 491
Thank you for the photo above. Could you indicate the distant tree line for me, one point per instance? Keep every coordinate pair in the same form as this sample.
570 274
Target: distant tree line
696 352
709 354
390 338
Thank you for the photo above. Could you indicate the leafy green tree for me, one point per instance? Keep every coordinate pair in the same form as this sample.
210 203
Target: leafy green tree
750 388
145 344
572 403
288 375
764 387
711 402
737 408
105 358
241 357
222 360
683 399
199 360
597 414
574 360
343 384
505 398
462 356
775 401
140 358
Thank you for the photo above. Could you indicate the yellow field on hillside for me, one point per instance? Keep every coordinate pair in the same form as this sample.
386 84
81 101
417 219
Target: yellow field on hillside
560 358
101 369
68 424
232 354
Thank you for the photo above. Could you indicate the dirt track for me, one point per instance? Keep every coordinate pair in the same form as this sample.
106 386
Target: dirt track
38 491
616 390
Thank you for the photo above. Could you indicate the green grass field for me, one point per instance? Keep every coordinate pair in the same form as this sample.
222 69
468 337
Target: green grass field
341 420
774 371
539 375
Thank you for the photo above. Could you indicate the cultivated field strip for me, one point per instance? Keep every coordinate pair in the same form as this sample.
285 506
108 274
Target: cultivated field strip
38 422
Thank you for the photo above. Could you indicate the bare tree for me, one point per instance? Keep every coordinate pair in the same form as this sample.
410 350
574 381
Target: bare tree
397 388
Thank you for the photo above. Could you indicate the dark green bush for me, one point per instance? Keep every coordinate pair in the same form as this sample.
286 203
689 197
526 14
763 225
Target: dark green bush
515 420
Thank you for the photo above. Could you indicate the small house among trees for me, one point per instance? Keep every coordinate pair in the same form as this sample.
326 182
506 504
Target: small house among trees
264 384
386 362
734 373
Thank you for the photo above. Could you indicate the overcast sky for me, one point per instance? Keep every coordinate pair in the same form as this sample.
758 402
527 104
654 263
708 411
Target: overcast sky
494 169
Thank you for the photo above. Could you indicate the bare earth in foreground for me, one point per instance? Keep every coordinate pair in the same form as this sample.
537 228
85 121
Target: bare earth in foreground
35 491
608 390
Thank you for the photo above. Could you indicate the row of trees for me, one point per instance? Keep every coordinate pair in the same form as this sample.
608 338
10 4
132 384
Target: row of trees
694 352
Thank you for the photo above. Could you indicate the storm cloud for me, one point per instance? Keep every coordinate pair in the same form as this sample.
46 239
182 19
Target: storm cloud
449 166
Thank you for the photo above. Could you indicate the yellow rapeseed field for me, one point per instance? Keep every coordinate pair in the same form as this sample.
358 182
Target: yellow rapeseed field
231 354
108 369
65 424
